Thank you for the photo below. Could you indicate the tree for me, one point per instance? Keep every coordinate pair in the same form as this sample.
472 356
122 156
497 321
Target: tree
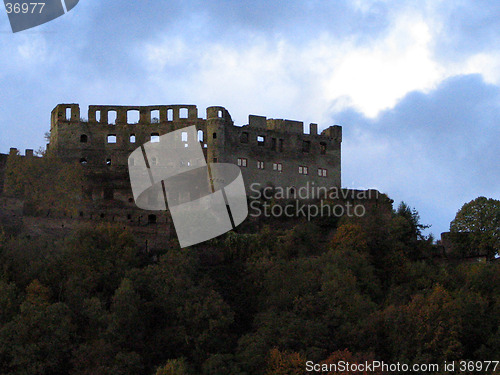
9 301
174 367
432 325
126 327
284 363
46 184
97 258
40 339
345 356
481 218
413 219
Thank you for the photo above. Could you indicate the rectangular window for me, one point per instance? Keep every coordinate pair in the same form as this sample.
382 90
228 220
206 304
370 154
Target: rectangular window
261 140
322 172
260 165
155 137
277 167
303 170
112 138
242 162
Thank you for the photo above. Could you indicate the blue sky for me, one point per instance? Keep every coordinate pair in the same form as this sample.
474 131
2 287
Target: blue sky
415 84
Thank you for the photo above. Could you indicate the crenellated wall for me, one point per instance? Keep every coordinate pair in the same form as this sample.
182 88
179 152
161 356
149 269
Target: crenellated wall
276 152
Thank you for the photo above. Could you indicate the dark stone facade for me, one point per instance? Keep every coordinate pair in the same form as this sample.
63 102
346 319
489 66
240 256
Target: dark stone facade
269 151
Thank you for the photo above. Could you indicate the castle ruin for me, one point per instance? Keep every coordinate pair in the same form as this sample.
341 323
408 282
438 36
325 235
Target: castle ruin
269 152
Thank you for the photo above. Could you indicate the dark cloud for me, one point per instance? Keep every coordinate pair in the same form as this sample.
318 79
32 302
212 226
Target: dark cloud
467 27
434 150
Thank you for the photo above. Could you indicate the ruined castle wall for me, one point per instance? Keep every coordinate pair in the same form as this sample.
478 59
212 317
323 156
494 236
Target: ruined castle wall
3 163
104 141
277 152
110 135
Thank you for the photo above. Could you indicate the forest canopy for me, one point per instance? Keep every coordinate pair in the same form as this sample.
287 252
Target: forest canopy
264 301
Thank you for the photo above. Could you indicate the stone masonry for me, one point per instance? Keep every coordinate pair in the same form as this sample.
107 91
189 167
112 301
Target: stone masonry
270 152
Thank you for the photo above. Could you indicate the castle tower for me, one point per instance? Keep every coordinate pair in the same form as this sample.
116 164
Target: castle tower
218 118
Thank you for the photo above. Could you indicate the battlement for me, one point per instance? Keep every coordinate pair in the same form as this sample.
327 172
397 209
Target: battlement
121 114
292 126
156 114
269 151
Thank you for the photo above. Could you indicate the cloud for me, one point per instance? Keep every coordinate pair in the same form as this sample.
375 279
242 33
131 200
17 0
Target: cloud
375 77
467 28
435 150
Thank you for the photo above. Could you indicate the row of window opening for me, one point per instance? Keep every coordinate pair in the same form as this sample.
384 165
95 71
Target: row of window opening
84 161
151 218
133 115
277 144
152 161
155 137
304 170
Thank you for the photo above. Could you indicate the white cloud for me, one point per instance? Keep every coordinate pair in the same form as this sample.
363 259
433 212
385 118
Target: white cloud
170 52
375 77
277 77
487 64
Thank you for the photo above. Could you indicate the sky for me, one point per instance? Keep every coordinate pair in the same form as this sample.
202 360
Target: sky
414 84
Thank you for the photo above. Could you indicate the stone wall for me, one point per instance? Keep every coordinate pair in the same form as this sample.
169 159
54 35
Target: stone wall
269 151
